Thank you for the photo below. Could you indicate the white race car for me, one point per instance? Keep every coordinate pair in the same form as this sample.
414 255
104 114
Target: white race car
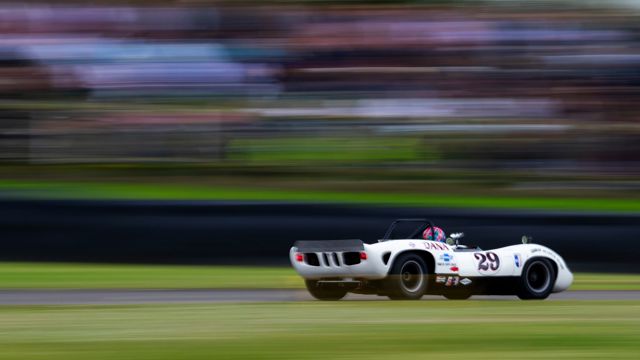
407 267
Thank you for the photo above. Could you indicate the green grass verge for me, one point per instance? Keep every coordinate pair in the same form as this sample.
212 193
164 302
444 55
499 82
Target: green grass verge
589 281
116 276
318 330
125 191
98 276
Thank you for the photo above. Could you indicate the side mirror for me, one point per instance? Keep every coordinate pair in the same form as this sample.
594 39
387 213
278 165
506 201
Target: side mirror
455 237
526 239
451 242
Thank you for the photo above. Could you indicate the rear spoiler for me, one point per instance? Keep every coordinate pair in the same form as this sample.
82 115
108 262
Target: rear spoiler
329 245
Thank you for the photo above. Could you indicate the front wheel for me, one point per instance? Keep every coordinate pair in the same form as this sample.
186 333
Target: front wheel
407 279
537 279
327 293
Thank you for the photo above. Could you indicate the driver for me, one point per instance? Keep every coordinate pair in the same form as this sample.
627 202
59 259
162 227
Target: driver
440 235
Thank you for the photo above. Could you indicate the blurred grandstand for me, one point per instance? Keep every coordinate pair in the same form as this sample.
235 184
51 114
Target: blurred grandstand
548 92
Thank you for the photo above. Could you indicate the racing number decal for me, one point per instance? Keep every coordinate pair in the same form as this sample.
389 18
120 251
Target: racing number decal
494 260
488 262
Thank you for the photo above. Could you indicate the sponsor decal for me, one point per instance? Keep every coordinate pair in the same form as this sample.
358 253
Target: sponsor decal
446 260
446 257
455 281
452 281
445 264
488 262
517 258
550 254
454 268
412 244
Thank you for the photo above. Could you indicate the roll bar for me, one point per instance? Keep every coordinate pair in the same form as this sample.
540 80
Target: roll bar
424 224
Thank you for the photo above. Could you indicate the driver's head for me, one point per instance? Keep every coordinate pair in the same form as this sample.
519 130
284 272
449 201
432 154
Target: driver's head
428 234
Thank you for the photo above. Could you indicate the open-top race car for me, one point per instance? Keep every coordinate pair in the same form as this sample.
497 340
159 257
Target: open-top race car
407 266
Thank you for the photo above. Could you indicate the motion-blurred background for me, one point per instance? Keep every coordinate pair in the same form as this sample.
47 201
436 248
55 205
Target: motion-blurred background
221 131
158 158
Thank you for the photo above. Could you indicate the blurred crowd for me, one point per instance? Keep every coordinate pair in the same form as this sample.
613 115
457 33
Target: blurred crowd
458 85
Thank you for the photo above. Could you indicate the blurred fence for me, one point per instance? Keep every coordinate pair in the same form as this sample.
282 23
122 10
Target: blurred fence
261 234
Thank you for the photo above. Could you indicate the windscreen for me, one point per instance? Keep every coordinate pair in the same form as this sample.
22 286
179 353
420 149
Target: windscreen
406 230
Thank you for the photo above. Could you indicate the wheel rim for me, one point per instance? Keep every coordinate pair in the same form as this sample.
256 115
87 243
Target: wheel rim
538 277
411 276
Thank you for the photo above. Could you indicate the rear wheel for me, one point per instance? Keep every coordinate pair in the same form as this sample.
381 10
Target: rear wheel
407 279
537 279
327 293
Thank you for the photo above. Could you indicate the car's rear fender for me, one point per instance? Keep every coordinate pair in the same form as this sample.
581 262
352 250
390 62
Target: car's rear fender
424 254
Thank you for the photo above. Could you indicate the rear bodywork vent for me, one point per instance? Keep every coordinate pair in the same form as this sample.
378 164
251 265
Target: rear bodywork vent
335 259
312 259
351 258
385 257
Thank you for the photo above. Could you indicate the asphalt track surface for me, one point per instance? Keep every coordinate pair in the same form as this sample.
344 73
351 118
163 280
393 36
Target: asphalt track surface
123 297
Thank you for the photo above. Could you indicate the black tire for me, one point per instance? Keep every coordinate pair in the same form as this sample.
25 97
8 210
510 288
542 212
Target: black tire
326 293
457 295
537 279
408 278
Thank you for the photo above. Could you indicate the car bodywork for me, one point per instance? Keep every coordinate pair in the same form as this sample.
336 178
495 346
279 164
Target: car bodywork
362 268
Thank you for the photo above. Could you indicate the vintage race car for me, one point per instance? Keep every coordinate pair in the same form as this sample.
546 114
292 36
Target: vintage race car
405 267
